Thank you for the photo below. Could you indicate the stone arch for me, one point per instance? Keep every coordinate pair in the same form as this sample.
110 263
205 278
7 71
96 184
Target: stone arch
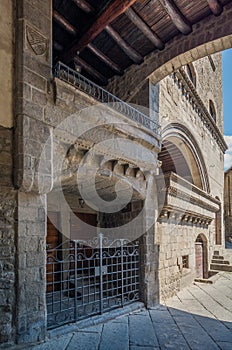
191 73
182 138
201 256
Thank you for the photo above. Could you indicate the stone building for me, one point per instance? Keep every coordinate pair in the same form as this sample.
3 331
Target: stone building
227 205
105 202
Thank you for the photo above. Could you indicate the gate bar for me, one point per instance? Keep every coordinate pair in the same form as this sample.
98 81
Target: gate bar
75 276
100 271
122 275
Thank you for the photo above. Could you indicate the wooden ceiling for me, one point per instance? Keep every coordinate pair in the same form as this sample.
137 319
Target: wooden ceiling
103 38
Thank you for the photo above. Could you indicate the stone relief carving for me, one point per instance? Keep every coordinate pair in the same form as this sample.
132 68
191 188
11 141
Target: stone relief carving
37 42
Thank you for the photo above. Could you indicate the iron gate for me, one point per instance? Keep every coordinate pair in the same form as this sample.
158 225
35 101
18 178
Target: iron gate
89 278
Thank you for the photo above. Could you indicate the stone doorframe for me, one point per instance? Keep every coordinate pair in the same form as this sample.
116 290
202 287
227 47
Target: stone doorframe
201 238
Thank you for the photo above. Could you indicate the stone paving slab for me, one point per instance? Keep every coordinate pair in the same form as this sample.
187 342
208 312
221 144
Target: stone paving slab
115 336
84 341
170 337
142 331
198 318
60 343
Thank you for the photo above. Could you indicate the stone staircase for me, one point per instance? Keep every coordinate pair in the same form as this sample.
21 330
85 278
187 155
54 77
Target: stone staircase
218 263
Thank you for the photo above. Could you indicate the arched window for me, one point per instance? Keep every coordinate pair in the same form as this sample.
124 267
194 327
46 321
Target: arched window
191 73
212 110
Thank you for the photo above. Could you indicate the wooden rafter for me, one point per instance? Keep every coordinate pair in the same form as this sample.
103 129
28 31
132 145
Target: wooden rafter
178 19
129 50
90 70
85 6
114 66
145 29
115 9
95 50
215 6
64 23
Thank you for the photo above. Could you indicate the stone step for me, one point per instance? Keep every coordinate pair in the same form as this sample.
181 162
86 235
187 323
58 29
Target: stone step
219 261
220 257
221 267
203 280
212 273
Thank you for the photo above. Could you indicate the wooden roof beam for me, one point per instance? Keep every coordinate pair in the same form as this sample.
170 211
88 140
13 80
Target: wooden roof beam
93 49
90 70
215 6
115 9
129 50
84 6
178 19
114 66
64 23
145 29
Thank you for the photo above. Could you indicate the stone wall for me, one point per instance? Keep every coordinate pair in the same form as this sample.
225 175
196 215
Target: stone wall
174 108
31 266
209 83
8 205
6 59
228 204
178 239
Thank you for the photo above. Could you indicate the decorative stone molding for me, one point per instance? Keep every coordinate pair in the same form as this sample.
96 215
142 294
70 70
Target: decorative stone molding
182 132
183 202
182 218
189 92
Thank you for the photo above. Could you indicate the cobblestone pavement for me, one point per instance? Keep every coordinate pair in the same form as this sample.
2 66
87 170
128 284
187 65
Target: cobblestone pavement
198 318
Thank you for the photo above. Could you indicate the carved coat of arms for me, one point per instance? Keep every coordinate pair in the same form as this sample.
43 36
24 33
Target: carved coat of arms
37 41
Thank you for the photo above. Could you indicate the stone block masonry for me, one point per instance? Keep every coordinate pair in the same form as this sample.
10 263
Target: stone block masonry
7 237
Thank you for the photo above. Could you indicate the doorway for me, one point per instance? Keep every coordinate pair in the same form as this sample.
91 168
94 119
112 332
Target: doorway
201 257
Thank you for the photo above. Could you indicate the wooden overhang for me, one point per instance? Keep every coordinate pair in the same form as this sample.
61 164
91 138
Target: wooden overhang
103 38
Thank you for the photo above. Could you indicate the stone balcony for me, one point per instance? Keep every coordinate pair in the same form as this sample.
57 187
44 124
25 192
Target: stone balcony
93 129
75 92
181 201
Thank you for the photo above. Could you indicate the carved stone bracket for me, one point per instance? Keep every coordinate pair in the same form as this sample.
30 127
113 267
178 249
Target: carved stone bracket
184 218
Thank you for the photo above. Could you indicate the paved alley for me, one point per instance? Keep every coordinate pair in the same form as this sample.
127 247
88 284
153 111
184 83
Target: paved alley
198 318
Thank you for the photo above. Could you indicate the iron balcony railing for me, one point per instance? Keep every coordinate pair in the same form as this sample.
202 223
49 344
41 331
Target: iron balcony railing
70 76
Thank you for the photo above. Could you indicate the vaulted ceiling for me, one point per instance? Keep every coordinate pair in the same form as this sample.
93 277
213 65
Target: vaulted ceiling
103 38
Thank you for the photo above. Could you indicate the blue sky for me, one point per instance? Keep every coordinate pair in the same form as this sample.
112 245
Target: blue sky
227 103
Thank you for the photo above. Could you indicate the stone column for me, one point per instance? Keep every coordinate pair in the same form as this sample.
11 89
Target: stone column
150 250
32 79
31 268
8 204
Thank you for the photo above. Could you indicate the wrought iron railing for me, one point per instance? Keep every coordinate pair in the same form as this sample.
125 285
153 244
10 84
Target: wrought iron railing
70 76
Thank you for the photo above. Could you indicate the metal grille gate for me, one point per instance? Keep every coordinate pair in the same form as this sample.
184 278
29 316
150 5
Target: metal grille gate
89 278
